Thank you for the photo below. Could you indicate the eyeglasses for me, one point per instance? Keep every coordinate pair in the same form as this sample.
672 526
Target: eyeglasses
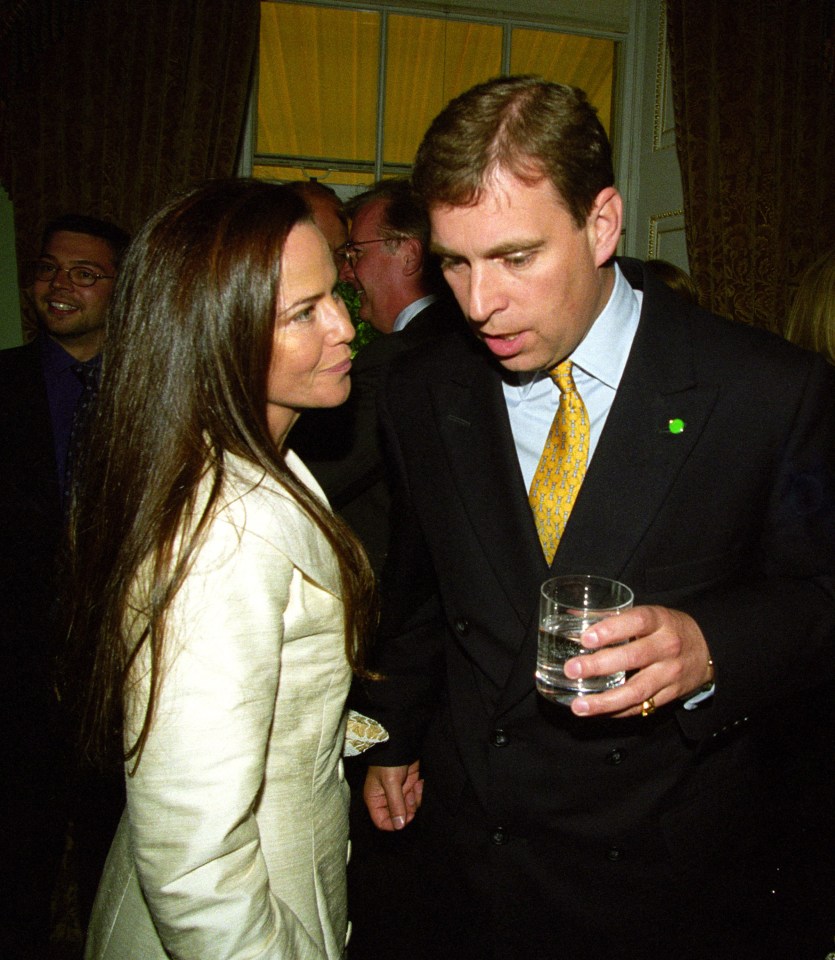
45 271
351 251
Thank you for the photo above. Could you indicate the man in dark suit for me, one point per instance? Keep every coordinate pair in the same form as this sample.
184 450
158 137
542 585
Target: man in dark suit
42 383
404 297
631 823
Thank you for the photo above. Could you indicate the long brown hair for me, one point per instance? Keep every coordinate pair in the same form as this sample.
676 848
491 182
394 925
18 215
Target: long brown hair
189 341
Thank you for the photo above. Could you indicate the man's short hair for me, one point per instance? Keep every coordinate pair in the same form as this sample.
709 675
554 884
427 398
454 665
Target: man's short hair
524 125
316 190
404 217
115 237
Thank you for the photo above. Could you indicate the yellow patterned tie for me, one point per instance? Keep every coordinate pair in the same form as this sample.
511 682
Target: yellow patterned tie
562 466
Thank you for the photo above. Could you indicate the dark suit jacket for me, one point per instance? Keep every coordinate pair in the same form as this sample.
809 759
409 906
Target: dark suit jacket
31 509
33 751
341 445
611 831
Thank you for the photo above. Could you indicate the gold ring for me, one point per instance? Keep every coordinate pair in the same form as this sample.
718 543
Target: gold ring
648 707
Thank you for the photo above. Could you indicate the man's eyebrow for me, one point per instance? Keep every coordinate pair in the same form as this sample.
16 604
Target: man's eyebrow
513 246
440 251
500 250
77 263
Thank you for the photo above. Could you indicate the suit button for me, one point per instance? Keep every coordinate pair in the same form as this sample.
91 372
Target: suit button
462 627
616 756
499 738
614 853
499 836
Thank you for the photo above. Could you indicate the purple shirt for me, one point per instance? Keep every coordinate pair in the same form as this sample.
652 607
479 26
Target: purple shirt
63 390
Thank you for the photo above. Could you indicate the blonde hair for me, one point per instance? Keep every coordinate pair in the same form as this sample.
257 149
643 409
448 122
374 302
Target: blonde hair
676 279
811 322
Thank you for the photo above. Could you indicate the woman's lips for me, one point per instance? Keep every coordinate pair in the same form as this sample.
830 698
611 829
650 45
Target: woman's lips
343 367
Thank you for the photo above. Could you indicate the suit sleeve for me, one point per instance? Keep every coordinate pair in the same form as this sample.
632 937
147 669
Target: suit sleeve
191 803
409 651
772 634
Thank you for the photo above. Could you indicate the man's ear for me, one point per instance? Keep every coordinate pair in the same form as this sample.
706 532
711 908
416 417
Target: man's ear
411 255
605 223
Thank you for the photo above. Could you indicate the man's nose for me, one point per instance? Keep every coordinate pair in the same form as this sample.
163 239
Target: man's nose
484 295
61 279
346 272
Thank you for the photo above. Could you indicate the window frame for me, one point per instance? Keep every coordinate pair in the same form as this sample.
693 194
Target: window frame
378 168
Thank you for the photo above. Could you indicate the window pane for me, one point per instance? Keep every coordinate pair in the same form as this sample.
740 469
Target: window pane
283 174
429 62
579 61
317 81
319 70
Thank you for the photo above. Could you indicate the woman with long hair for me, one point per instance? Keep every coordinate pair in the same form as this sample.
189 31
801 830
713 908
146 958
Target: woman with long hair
218 606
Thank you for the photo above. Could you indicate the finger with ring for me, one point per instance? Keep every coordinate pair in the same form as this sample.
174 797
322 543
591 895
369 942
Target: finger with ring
648 707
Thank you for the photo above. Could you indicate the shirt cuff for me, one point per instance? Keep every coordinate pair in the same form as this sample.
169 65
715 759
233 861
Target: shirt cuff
702 694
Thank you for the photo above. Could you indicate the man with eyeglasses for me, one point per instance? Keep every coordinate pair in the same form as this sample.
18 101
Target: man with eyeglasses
402 295
42 386
69 285
386 256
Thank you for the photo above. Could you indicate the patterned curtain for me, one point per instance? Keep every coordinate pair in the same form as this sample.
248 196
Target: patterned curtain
755 130
108 107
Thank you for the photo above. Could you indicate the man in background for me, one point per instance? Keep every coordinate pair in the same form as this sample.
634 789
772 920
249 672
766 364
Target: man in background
327 211
403 296
45 389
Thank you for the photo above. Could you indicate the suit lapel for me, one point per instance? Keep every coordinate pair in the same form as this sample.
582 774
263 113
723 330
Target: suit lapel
639 455
472 420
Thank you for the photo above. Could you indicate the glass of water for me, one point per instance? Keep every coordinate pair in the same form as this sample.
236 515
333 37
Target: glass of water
568 606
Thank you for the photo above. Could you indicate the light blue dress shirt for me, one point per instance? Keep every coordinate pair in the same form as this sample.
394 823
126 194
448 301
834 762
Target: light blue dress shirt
598 364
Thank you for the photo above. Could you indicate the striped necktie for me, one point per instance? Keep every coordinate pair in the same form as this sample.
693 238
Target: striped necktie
562 466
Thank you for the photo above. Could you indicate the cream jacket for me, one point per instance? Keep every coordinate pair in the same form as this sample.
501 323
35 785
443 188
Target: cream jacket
234 839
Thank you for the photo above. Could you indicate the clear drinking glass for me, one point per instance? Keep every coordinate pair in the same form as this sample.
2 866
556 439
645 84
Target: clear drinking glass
568 606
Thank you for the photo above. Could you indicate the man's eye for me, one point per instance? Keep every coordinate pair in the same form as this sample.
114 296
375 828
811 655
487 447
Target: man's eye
451 263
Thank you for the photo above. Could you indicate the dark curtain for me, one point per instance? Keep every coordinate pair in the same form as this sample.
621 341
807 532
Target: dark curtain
754 105
108 107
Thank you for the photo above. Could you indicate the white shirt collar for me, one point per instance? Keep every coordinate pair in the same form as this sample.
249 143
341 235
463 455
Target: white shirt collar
603 352
410 312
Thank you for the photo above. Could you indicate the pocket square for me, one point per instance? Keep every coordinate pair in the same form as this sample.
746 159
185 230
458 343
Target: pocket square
362 733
